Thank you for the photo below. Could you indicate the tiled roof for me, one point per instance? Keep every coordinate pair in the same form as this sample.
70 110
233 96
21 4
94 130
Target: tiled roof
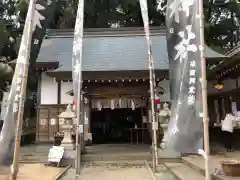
111 53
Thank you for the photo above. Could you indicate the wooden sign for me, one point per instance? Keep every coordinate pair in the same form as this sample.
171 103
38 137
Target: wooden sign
55 154
43 122
53 121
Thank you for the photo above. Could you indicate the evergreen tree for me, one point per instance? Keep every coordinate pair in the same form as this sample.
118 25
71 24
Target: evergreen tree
222 28
9 31
9 28
222 23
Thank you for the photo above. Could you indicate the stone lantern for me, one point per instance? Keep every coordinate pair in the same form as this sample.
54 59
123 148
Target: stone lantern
164 116
66 121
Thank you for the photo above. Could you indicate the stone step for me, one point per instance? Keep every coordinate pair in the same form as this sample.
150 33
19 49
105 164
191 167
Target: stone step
183 172
196 168
33 158
167 156
87 157
122 162
162 160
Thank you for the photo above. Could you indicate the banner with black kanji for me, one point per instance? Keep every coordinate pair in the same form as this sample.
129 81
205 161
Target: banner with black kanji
39 15
185 130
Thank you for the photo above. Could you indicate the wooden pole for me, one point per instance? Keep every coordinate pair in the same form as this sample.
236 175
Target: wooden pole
204 94
78 36
78 133
30 15
152 94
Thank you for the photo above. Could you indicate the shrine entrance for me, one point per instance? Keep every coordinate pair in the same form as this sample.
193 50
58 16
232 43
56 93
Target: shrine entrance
118 110
119 126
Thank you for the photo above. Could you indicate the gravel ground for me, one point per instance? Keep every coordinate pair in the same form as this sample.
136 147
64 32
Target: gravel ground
116 171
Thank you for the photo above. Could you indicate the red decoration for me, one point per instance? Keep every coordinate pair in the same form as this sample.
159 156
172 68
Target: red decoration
158 101
73 102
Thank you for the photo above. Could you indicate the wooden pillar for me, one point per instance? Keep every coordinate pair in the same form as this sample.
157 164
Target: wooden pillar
59 85
89 121
86 119
142 128
89 118
236 95
82 110
223 107
39 76
216 108
59 92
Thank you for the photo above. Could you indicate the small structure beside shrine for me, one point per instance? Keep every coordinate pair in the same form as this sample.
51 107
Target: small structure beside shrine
223 94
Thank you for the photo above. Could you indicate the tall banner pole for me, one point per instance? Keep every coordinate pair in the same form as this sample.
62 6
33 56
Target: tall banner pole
188 125
204 93
21 82
77 79
152 82
43 14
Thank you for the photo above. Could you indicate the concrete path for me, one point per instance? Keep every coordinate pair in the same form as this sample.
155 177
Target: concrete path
32 172
95 171
197 162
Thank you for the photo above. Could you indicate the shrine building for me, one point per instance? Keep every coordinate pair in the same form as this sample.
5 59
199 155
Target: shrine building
115 82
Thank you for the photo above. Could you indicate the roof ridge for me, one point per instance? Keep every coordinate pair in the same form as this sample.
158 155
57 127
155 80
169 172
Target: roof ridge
103 35
104 31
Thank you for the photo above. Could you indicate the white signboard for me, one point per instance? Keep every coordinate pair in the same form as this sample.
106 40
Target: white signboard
81 128
86 120
55 154
90 136
53 121
43 122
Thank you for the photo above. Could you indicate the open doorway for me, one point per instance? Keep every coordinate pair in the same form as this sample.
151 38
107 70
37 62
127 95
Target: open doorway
118 126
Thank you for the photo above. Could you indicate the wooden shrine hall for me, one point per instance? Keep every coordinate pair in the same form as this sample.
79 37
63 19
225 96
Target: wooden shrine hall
115 82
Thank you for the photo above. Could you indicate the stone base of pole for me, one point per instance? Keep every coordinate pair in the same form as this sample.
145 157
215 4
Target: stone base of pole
164 153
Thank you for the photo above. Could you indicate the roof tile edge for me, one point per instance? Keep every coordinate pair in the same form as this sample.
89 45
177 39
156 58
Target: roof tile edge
104 32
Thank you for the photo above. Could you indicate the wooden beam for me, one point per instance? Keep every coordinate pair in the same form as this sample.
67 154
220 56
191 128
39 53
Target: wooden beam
110 75
222 67
59 92
119 84
107 91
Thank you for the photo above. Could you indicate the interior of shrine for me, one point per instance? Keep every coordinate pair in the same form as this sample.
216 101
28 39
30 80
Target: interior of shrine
119 126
